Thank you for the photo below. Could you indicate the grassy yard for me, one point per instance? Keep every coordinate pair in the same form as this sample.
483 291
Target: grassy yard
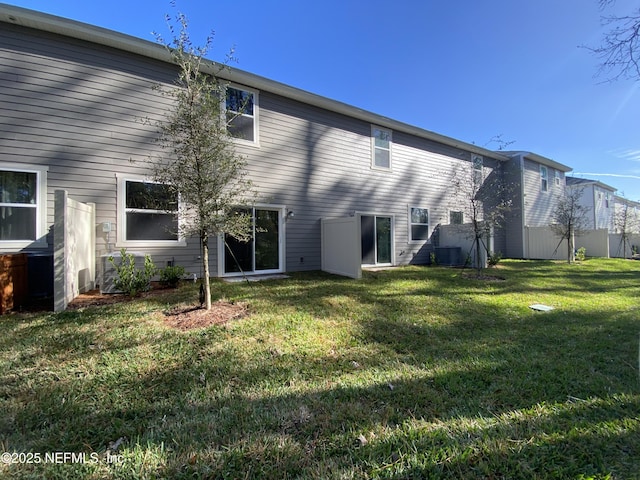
411 373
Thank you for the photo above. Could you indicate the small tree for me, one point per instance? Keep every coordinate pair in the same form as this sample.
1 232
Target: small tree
484 200
569 219
625 222
198 160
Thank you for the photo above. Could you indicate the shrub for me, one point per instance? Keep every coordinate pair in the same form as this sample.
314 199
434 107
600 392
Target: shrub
131 280
494 259
581 254
171 275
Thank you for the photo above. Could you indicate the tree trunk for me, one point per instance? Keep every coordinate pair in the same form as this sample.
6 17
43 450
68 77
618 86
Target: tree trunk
570 247
205 263
478 257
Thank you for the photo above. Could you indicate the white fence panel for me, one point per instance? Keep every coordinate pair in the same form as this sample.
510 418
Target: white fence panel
542 244
618 249
74 249
595 241
341 246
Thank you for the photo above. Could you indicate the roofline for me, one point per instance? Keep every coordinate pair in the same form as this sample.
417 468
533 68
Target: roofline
621 199
540 159
587 181
90 33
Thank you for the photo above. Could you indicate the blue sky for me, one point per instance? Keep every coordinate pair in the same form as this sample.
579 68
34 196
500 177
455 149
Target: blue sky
467 69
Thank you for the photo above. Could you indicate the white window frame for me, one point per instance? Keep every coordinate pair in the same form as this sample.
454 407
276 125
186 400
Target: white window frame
121 233
411 224
557 177
41 208
255 142
544 179
375 148
374 214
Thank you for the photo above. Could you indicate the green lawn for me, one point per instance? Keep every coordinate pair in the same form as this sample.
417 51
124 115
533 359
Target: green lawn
411 373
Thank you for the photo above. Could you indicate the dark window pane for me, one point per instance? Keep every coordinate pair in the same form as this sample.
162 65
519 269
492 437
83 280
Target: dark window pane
419 215
240 126
382 158
239 101
456 218
17 223
18 187
151 226
419 232
368 241
267 241
382 138
383 239
150 196
238 256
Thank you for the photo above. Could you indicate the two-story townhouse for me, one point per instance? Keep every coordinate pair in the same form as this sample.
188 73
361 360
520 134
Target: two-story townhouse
536 183
72 98
626 213
598 198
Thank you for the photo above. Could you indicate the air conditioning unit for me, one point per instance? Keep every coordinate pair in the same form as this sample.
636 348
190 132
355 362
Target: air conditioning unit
449 256
108 271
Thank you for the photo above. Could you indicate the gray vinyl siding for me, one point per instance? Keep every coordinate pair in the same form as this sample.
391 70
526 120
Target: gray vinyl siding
539 205
602 215
515 217
76 107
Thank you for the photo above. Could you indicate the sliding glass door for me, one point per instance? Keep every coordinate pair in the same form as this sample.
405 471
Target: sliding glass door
376 239
262 253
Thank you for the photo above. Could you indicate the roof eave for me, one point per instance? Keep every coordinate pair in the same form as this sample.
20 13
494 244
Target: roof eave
541 160
90 33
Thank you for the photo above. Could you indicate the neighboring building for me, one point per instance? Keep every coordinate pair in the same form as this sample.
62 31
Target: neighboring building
599 200
627 212
72 96
536 183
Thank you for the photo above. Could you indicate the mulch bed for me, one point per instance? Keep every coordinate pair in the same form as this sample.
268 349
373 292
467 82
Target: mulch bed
182 318
196 317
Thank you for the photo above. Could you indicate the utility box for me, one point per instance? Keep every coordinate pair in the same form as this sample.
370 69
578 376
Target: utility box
13 281
108 271
449 256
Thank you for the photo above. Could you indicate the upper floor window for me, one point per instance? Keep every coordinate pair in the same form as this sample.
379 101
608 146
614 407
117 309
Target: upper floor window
456 218
557 177
381 148
148 213
22 206
418 224
606 200
544 178
241 113
478 163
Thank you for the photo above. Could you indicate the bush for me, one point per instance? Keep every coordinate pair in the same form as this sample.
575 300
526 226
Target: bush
171 275
581 254
494 259
129 279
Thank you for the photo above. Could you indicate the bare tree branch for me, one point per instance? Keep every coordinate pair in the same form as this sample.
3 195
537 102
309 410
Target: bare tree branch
619 53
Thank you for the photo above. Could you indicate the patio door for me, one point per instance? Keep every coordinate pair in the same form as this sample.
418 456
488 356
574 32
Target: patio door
376 239
263 252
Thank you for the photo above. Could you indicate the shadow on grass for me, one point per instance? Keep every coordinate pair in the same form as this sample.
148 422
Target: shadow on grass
436 382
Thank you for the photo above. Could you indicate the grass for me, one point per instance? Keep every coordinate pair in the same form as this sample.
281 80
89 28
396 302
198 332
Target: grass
410 373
